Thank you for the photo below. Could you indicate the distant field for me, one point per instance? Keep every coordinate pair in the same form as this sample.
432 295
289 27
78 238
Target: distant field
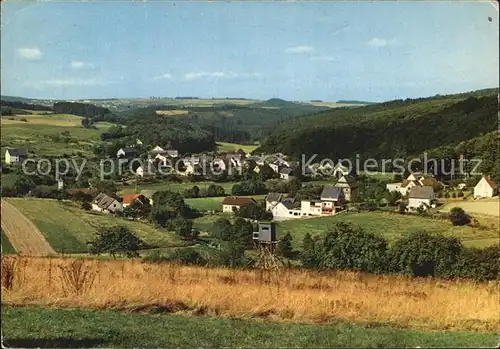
389 225
213 203
232 147
172 112
173 186
68 228
37 135
483 206
332 104
68 328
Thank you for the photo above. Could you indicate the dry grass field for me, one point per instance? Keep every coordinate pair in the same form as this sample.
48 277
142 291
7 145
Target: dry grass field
291 296
172 112
489 207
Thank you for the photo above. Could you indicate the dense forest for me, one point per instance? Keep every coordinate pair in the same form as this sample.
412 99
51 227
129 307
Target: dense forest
388 130
154 130
90 111
23 105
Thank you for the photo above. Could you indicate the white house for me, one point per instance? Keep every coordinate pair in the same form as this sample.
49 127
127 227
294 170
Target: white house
127 152
311 208
349 187
420 197
275 166
14 156
272 199
144 171
129 199
394 187
485 188
106 204
286 173
232 204
286 209
339 170
218 164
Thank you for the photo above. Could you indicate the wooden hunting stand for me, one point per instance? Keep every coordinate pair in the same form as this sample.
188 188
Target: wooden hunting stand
265 241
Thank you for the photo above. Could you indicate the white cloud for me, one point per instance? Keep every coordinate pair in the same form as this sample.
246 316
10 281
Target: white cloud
378 42
29 53
220 75
322 59
68 82
81 65
165 76
300 49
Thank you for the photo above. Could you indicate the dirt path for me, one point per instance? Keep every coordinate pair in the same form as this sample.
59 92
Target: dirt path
22 234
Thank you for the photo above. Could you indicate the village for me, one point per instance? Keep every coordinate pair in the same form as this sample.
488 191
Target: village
416 193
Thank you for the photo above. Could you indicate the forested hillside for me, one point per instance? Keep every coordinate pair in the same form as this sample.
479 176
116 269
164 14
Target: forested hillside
388 130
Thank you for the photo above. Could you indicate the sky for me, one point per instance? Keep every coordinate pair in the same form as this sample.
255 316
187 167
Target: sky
371 51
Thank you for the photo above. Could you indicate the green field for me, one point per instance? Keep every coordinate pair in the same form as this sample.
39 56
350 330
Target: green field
149 188
213 203
78 328
232 147
67 227
7 247
38 134
389 225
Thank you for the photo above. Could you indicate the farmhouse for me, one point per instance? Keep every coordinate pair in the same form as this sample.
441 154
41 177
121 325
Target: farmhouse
144 171
332 198
394 187
349 187
420 197
234 203
286 209
127 153
106 204
485 188
14 156
272 199
286 173
275 166
134 198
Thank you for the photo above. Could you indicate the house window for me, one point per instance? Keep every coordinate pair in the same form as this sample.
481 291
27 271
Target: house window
290 212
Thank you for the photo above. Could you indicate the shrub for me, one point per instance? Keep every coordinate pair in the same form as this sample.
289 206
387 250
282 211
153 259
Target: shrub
285 246
479 264
23 120
347 246
187 256
458 216
116 240
424 254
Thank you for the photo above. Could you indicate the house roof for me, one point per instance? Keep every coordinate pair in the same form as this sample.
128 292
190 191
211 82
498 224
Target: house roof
286 170
490 182
405 183
421 193
290 204
346 181
236 201
17 152
274 197
428 181
103 201
129 150
130 198
332 193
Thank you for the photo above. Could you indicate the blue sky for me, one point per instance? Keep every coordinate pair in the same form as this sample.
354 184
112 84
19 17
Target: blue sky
292 50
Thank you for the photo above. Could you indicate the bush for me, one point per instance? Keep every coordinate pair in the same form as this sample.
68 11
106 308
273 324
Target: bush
424 254
347 246
116 240
23 120
478 264
187 256
458 216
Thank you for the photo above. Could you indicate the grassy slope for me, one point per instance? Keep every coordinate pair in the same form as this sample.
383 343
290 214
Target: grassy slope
28 327
389 225
68 228
7 247
228 147
36 134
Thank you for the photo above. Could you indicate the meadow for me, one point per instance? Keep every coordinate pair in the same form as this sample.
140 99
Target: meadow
214 203
67 227
389 225
67 328
51 135
290 295
232 147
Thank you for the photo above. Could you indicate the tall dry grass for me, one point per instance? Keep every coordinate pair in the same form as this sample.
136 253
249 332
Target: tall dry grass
292 295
